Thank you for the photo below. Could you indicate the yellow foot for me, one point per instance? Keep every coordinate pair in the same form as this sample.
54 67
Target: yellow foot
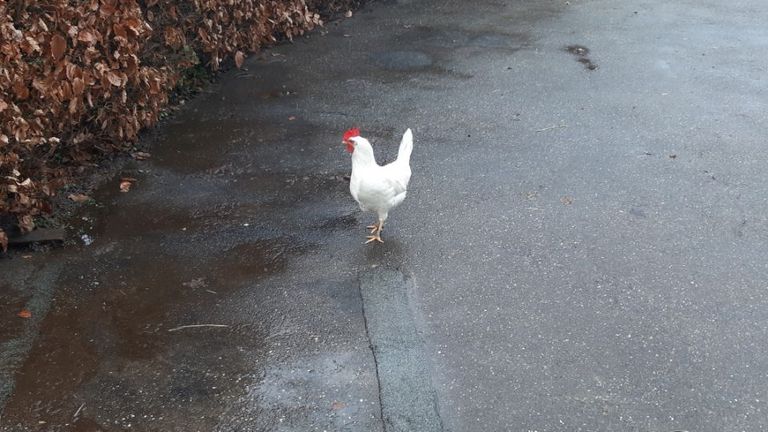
374 228
376 237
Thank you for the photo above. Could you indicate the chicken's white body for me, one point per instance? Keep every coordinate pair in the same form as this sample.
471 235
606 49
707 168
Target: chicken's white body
379 188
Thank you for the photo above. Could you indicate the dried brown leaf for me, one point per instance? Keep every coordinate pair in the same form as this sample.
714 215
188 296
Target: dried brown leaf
3 241
86 36
114 78
133 25
21 90
126 183
239 59
26 223
196 283
78 86
24 313
79 198
108 7
58 46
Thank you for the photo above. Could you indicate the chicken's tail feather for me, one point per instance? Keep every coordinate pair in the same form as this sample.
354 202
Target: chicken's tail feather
406 147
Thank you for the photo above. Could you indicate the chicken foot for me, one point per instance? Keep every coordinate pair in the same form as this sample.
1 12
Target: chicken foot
376 230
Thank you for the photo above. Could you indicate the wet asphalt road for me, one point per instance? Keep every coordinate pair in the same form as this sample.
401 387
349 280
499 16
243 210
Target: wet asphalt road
583 247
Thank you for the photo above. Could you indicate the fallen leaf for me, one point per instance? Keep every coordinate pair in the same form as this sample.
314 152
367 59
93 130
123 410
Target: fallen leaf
195 283
3 241
336 405
141 155
21 90
114 78
58 46
24 313
134 25
566 200
26 223
86 36
126 183
239 59
79 198
78 86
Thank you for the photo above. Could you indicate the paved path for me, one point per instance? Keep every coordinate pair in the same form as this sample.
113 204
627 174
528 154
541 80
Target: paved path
584 247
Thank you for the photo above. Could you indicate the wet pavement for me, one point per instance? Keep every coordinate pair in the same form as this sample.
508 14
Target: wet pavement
583 247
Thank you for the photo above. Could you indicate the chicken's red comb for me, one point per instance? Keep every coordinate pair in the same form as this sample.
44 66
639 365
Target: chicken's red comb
351 133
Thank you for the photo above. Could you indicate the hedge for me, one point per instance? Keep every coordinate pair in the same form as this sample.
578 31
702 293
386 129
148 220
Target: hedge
80 79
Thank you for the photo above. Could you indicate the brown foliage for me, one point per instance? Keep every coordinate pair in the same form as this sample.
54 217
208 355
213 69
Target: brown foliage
83 78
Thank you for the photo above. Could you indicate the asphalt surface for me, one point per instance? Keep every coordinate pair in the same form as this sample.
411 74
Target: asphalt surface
583 247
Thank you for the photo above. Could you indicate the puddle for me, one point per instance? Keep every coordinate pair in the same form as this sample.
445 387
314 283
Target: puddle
275 94
587 63
10 304
577 50
581 52
108 333
494 40
248 262
462 38
433 49
402 60
186 145
341 222
313 393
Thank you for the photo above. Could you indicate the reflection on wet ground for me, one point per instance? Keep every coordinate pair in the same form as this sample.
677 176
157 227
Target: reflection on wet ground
129 334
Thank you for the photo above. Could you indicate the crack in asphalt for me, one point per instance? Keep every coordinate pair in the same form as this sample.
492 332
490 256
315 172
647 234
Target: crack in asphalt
373 354
407 397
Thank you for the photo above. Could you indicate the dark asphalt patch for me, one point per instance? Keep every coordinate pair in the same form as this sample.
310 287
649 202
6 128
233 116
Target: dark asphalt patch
408 401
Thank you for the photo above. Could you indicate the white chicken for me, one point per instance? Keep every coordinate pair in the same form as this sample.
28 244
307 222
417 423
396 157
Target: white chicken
378 188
